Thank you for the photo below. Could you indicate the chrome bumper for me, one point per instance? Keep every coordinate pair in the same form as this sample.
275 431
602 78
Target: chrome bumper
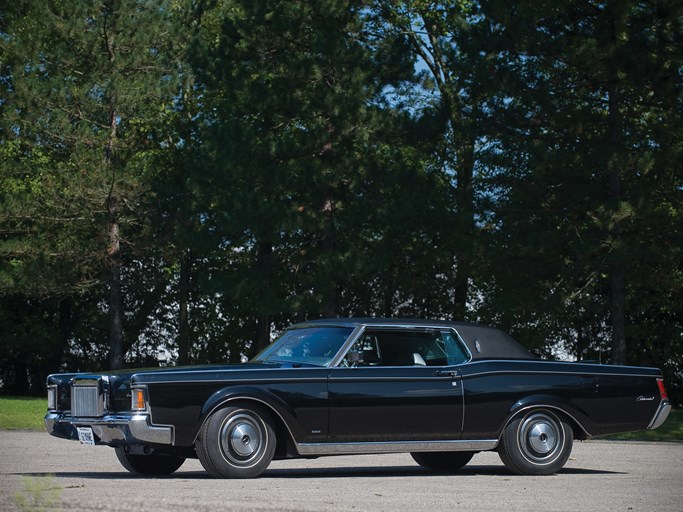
661 414
115 429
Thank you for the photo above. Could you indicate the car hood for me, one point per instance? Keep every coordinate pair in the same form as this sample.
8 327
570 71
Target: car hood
128 373
119 382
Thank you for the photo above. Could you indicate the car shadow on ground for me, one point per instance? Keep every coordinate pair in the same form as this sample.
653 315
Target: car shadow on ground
333 472
407 471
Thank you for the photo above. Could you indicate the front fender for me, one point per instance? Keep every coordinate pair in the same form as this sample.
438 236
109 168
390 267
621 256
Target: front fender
279 408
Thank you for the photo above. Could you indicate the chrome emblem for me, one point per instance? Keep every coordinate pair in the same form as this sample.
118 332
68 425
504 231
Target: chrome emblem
477 345
642 398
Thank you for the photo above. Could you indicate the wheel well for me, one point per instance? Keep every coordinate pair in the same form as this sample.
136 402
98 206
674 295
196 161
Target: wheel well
284 441
578 431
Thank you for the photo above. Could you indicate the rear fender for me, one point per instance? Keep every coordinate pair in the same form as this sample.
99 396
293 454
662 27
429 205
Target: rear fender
578 417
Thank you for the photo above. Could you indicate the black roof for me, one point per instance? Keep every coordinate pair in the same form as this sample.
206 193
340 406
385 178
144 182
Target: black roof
483 342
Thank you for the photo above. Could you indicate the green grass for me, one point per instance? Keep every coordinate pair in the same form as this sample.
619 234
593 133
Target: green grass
22 413
671 430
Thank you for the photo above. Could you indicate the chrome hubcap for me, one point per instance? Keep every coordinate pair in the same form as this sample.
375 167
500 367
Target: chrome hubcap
540 438
242 439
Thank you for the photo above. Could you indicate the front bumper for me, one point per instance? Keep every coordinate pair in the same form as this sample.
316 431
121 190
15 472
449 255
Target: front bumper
661 414
114 430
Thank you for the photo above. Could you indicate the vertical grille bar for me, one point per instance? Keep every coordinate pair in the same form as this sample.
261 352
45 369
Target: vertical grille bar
86 399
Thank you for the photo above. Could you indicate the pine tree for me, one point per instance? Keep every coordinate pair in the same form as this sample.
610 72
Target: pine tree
288 89
87 81
586 155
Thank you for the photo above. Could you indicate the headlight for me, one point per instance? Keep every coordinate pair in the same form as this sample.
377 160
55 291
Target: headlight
138 399
52 398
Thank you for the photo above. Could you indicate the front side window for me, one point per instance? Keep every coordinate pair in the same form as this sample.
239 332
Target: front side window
392 347
308 345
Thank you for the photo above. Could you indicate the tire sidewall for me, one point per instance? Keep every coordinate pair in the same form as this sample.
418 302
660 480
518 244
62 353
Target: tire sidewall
520 459
223 461
148 465
444 462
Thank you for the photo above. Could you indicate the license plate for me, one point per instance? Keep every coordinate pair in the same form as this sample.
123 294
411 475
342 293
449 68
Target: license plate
85 435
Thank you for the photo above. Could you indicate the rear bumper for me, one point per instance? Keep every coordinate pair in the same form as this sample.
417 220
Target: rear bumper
114 430
661 414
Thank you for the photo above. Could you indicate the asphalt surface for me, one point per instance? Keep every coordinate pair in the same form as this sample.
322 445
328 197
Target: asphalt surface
39 472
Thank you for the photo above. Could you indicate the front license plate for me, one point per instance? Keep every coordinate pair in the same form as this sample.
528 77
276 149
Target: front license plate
85 435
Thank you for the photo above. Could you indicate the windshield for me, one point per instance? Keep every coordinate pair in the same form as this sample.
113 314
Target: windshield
310 345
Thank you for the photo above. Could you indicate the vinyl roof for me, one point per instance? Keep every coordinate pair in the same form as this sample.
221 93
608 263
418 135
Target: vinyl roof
483 342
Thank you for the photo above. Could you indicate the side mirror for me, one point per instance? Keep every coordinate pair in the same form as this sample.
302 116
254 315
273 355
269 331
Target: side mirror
354 357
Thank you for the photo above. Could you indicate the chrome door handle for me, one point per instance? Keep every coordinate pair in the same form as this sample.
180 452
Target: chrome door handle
447 373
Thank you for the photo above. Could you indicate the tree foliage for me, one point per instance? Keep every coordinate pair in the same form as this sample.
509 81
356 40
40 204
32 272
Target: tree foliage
180 180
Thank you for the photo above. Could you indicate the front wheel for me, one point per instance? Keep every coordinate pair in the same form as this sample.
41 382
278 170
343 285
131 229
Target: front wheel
537 442
442 461
149 465
237 442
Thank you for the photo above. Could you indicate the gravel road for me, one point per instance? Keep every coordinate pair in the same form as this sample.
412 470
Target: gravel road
601 475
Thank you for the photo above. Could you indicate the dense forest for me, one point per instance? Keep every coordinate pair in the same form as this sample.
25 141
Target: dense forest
182 179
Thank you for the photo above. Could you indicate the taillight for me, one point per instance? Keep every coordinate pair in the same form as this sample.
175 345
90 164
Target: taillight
662 389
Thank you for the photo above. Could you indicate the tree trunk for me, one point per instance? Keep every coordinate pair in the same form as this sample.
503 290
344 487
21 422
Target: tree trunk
65 325
263 326
116 347
617 290
616 263
329 248
463 141
19 385
115 318
331 301
580 341
183 316
465 223
136 325
115 296
264 262
116 342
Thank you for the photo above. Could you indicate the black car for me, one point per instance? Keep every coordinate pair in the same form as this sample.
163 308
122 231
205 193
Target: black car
441 391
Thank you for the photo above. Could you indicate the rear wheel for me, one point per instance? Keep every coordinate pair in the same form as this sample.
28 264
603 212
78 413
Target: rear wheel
442 461
537 442
237 442
154 464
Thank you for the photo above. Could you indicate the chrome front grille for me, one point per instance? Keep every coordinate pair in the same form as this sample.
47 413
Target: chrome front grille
87 399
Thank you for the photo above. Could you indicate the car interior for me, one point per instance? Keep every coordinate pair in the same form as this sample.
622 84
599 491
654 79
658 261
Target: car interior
401 348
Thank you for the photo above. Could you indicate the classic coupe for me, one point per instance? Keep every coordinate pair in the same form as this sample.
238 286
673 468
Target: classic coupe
441 391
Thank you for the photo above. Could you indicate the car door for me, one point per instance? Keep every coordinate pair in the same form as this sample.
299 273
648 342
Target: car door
397 385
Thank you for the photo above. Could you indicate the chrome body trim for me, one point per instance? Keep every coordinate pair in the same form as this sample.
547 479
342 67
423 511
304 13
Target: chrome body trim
396 447
545 406
246 399
52 397
660 416
116 429
89 396
462 343
360 329
354 373
353 337
544 370
253 381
